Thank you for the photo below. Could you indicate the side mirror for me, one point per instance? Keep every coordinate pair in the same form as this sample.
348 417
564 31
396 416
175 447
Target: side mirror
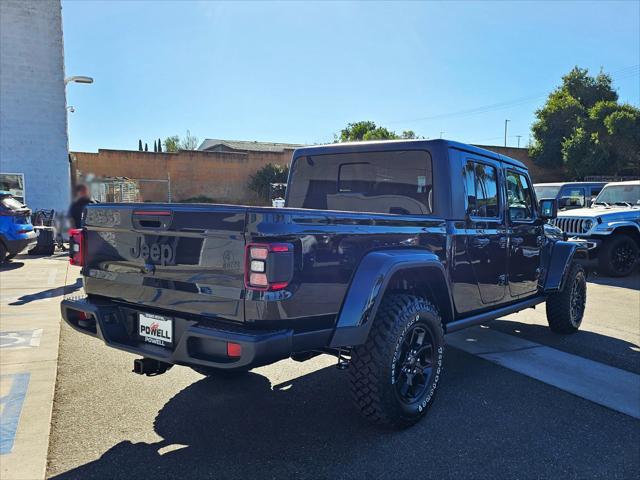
548 208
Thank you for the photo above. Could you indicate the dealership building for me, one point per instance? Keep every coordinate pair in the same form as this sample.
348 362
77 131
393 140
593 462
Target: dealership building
34 161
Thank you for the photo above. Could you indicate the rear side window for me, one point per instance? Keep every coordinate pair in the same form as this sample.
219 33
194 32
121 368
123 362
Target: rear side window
481 185
396 182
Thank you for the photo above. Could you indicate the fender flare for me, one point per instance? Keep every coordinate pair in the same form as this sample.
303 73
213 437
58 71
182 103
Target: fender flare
559 262
616 224
368 286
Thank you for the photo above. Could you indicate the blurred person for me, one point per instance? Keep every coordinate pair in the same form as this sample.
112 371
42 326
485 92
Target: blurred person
76 210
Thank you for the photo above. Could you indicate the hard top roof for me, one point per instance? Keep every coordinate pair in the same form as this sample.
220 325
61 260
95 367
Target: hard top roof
350 147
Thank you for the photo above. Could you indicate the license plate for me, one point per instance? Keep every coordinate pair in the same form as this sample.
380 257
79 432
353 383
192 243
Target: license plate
156 329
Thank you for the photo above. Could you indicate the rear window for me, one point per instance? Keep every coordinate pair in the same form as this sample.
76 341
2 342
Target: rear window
546 191
10 203
396 182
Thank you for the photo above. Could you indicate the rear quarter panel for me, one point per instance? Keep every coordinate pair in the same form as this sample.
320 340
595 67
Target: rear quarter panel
328 249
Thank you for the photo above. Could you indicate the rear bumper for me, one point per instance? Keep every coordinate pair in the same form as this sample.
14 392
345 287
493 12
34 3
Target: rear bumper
196 342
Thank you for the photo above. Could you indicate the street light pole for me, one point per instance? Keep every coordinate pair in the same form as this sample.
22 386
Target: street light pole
519 137
505 131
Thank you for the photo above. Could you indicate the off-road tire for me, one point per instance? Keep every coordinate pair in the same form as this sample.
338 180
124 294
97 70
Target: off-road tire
218 373
608 258
371 371
565 309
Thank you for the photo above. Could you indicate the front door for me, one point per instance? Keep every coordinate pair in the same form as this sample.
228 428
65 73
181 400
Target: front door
526 235
485 229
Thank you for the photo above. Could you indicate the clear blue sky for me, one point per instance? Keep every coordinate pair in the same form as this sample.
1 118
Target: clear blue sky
298 72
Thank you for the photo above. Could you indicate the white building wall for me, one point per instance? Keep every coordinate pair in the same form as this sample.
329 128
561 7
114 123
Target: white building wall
33 121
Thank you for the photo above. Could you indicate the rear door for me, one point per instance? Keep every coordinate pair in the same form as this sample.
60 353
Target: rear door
182 258
485 229
526 234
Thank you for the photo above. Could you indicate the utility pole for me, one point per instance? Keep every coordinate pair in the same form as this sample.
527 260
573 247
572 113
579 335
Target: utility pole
505 131
441 134
519 137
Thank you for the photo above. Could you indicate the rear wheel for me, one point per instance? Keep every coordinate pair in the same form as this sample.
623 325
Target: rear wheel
394 375
619 256
565 309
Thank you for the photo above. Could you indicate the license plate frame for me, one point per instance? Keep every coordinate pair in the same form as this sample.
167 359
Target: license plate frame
156 329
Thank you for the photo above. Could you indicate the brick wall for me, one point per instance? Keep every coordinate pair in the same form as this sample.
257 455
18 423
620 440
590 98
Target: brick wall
33 122
222 176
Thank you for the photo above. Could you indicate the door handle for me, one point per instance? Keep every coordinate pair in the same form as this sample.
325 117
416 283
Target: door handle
480 242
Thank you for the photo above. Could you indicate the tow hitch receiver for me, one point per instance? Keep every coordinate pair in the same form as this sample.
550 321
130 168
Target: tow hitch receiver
150 366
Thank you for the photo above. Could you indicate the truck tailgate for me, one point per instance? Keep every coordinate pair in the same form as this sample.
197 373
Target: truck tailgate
185 258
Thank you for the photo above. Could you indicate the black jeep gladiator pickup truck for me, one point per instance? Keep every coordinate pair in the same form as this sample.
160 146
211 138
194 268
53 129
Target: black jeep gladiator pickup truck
382 248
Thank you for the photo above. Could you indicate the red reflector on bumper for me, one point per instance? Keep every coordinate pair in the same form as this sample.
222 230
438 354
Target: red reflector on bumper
234 350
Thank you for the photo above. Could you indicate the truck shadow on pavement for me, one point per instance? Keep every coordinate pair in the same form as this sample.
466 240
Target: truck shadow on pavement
632 281
7 266
594 346
49 293
307 428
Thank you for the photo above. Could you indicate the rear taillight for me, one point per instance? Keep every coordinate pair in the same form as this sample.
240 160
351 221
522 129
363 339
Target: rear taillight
268 266
76 246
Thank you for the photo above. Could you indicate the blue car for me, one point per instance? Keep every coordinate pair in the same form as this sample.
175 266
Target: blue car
16 231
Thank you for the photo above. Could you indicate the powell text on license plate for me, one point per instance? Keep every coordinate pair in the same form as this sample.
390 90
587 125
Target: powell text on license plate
156 329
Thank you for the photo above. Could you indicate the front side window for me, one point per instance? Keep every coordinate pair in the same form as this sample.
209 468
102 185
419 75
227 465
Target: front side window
395 182
481 185
519 198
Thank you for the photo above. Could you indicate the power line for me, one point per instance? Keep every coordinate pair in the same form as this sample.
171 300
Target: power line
625 72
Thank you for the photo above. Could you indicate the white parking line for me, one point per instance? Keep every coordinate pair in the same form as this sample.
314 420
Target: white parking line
611 387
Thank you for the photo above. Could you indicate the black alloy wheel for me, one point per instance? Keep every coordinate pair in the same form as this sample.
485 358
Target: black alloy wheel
414 367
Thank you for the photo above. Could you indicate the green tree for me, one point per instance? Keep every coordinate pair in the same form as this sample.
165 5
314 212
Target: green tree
155 147
367 130
189 142
172 144
139 145
583 128
363 131
159 146
261 181
409 135
146 148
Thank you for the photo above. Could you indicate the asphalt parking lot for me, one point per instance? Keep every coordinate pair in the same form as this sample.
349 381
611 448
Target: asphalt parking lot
296 419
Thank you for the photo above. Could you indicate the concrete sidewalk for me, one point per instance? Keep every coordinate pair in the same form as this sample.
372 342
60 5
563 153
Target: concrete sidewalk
30 293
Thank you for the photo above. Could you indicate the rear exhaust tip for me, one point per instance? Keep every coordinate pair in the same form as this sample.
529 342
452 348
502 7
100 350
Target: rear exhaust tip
150 366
